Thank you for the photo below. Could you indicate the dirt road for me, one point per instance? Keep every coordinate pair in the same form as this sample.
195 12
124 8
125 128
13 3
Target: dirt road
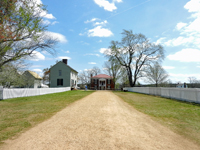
99 121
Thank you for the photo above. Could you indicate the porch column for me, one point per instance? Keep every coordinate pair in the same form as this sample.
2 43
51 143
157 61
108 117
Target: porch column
105 84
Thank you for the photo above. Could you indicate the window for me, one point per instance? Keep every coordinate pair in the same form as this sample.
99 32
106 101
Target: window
108 87
95 81
108 81
60 72
59 82
72 82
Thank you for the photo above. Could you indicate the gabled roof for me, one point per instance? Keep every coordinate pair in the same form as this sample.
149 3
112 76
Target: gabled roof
102 76
72 69
66 65
34 74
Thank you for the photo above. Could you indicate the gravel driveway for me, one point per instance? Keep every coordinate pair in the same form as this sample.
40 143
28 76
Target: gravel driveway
99 121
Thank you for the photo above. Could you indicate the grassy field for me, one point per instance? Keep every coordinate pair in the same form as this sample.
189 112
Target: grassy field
181 117
19 114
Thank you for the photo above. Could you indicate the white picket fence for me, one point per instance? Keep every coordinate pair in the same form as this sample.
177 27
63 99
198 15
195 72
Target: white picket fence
24 92
183 94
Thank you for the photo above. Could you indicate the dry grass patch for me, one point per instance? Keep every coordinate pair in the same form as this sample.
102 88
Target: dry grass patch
182 117
19 114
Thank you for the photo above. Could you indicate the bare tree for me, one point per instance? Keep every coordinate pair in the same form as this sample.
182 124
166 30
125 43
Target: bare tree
134 52
95 71
156 74
193 81
45 77
85 76
22 31
113 69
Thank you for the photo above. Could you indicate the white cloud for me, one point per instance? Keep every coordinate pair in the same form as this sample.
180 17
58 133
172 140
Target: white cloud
190 32
193 27
107 5
99 32
63 57
93 55
182 77
102 50
46 22
37 70
81 34
43 13
105 69
48 16
101 23
54 22
87 69
186 55
92 63
180 25
160 41
105 50
193 6
46 53
92 20
36 56
96 23
168 67
180 41
67 52
61 38
100 41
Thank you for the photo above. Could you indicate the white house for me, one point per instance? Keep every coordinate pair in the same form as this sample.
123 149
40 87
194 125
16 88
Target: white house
179 85
32 79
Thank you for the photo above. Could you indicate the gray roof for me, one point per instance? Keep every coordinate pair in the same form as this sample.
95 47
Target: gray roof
67 66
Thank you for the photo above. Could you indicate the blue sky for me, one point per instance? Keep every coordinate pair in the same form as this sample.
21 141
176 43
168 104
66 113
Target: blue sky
85 29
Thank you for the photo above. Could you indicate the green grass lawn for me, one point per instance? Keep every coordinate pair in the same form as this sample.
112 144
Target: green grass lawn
19 114
181 117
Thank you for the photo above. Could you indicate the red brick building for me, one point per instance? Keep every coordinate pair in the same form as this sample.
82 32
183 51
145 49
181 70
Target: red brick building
102 82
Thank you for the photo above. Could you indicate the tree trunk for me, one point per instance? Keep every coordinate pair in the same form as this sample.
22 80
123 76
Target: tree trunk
134 81
130 76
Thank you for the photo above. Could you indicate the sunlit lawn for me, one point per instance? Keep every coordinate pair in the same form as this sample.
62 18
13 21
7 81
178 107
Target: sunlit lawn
19 114
181 117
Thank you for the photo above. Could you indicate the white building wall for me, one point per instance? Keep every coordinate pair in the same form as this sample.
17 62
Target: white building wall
37 83
74 76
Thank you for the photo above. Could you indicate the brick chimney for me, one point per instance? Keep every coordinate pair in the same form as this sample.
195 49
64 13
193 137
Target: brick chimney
65 61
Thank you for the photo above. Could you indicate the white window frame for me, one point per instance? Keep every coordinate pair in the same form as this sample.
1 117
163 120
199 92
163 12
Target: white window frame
108 81
95 81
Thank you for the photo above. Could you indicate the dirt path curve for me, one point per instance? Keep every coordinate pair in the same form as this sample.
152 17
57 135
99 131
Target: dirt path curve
99 121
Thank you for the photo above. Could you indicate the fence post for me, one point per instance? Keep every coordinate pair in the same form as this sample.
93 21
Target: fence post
1 92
